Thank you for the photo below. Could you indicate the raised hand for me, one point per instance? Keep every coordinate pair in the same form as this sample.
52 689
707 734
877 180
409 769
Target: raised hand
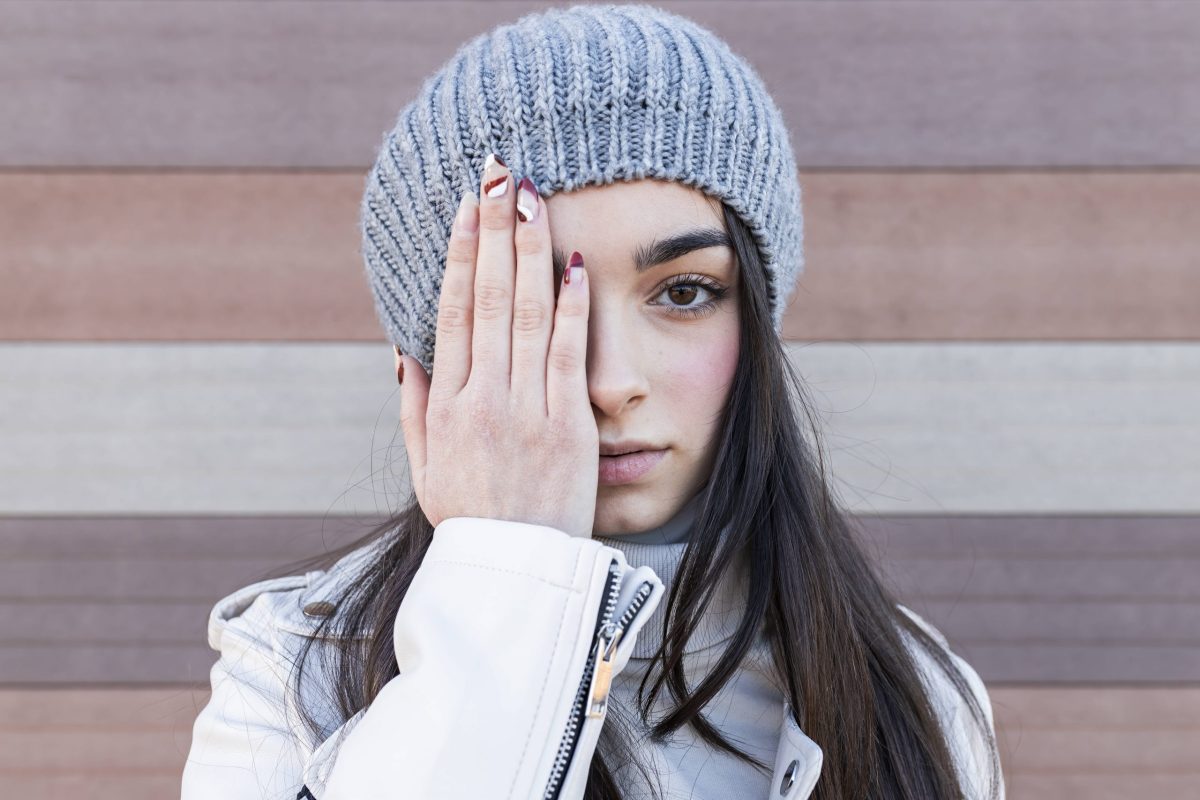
504 429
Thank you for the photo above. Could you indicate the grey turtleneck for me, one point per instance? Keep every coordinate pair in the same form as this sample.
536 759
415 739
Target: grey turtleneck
749 708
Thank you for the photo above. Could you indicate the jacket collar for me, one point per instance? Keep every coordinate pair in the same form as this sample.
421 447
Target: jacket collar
324 592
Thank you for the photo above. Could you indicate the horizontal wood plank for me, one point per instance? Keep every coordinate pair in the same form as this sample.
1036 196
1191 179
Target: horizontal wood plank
313 428
128 743
1063 609
899 84
1009 256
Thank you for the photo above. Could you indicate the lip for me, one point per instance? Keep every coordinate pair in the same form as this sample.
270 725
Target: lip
615 470
627 446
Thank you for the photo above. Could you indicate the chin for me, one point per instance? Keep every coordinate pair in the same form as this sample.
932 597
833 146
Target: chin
628 509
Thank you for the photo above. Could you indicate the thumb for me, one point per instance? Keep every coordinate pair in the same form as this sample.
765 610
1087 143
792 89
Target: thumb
414 400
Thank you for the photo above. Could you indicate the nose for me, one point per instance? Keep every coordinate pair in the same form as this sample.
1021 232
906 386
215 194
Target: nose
615 360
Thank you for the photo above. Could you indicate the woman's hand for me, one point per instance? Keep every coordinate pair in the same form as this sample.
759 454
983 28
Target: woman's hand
504 429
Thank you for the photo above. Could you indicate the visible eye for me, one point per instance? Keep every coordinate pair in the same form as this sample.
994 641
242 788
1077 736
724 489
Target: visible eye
684 288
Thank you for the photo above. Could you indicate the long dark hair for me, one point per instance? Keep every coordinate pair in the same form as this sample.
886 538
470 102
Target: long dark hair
835 628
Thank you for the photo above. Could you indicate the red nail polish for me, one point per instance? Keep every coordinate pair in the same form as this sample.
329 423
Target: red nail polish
576 261
527 200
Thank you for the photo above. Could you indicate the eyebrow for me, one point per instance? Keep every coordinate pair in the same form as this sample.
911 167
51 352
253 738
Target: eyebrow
660 251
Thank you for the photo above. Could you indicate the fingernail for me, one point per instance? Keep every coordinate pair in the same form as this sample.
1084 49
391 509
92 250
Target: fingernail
575 265
400 373
466 218
495 176
527 200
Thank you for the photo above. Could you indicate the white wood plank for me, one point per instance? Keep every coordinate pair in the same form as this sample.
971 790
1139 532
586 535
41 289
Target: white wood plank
100 428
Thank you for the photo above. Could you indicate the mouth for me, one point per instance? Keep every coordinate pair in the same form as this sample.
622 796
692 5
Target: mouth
628 447
628 467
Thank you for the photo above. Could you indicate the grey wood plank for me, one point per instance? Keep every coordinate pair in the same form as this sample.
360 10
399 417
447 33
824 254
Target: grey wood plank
99 664
149 623
1072 663
1022 622
898 84
95 581
1066 607
1112 580
1020 537
240 540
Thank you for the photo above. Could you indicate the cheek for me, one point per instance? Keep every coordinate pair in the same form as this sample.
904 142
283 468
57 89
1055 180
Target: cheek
699 379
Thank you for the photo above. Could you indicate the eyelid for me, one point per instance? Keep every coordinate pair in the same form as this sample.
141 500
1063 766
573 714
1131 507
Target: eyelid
714 287
692 277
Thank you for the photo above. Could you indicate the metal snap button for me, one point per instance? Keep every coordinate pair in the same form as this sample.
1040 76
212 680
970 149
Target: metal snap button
320 608
789 778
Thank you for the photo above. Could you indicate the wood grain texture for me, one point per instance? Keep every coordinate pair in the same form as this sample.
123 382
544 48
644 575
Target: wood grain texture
104 744
897 84
1106 743
313 428
127 743
1001 240
1024 598
889 256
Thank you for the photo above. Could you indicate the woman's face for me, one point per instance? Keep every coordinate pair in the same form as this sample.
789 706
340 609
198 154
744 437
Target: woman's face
662 345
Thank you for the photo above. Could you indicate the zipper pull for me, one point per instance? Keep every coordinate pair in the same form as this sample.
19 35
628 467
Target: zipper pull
605 650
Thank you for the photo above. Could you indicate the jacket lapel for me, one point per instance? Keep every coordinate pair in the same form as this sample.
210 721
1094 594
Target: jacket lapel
797 761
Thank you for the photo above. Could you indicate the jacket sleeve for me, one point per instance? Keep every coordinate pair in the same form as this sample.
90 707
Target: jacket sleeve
968 742
495 644
242 746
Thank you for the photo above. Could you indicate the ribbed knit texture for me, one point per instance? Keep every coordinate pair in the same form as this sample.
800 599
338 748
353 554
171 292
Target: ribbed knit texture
589 94
661 549
748 709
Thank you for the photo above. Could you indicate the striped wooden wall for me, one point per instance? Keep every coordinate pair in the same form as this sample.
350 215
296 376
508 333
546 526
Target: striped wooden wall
999 319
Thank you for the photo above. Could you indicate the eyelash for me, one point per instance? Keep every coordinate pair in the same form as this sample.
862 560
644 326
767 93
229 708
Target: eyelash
700 309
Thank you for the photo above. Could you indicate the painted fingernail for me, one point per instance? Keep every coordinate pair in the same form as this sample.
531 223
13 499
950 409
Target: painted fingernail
467 218
400 373
527 200
495 176
575 265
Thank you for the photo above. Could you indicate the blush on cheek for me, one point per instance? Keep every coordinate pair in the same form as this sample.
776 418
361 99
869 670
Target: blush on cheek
699 377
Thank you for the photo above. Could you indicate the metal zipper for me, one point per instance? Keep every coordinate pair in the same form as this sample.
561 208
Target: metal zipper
597 673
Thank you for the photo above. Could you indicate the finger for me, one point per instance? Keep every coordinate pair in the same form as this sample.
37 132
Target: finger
494 268
566 361
414 403
452 342
533 305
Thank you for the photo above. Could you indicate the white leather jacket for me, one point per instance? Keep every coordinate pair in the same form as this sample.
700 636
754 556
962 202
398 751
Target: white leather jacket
506 643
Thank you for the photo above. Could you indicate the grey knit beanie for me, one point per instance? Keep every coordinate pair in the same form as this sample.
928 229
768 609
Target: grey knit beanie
589 94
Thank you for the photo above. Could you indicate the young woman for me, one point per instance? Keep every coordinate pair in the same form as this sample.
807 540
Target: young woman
621 572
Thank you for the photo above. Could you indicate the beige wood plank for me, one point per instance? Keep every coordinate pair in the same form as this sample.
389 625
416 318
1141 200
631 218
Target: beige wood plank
1055 742
96 786
912 256
989 255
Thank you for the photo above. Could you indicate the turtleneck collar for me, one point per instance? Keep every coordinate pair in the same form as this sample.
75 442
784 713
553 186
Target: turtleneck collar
661 549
